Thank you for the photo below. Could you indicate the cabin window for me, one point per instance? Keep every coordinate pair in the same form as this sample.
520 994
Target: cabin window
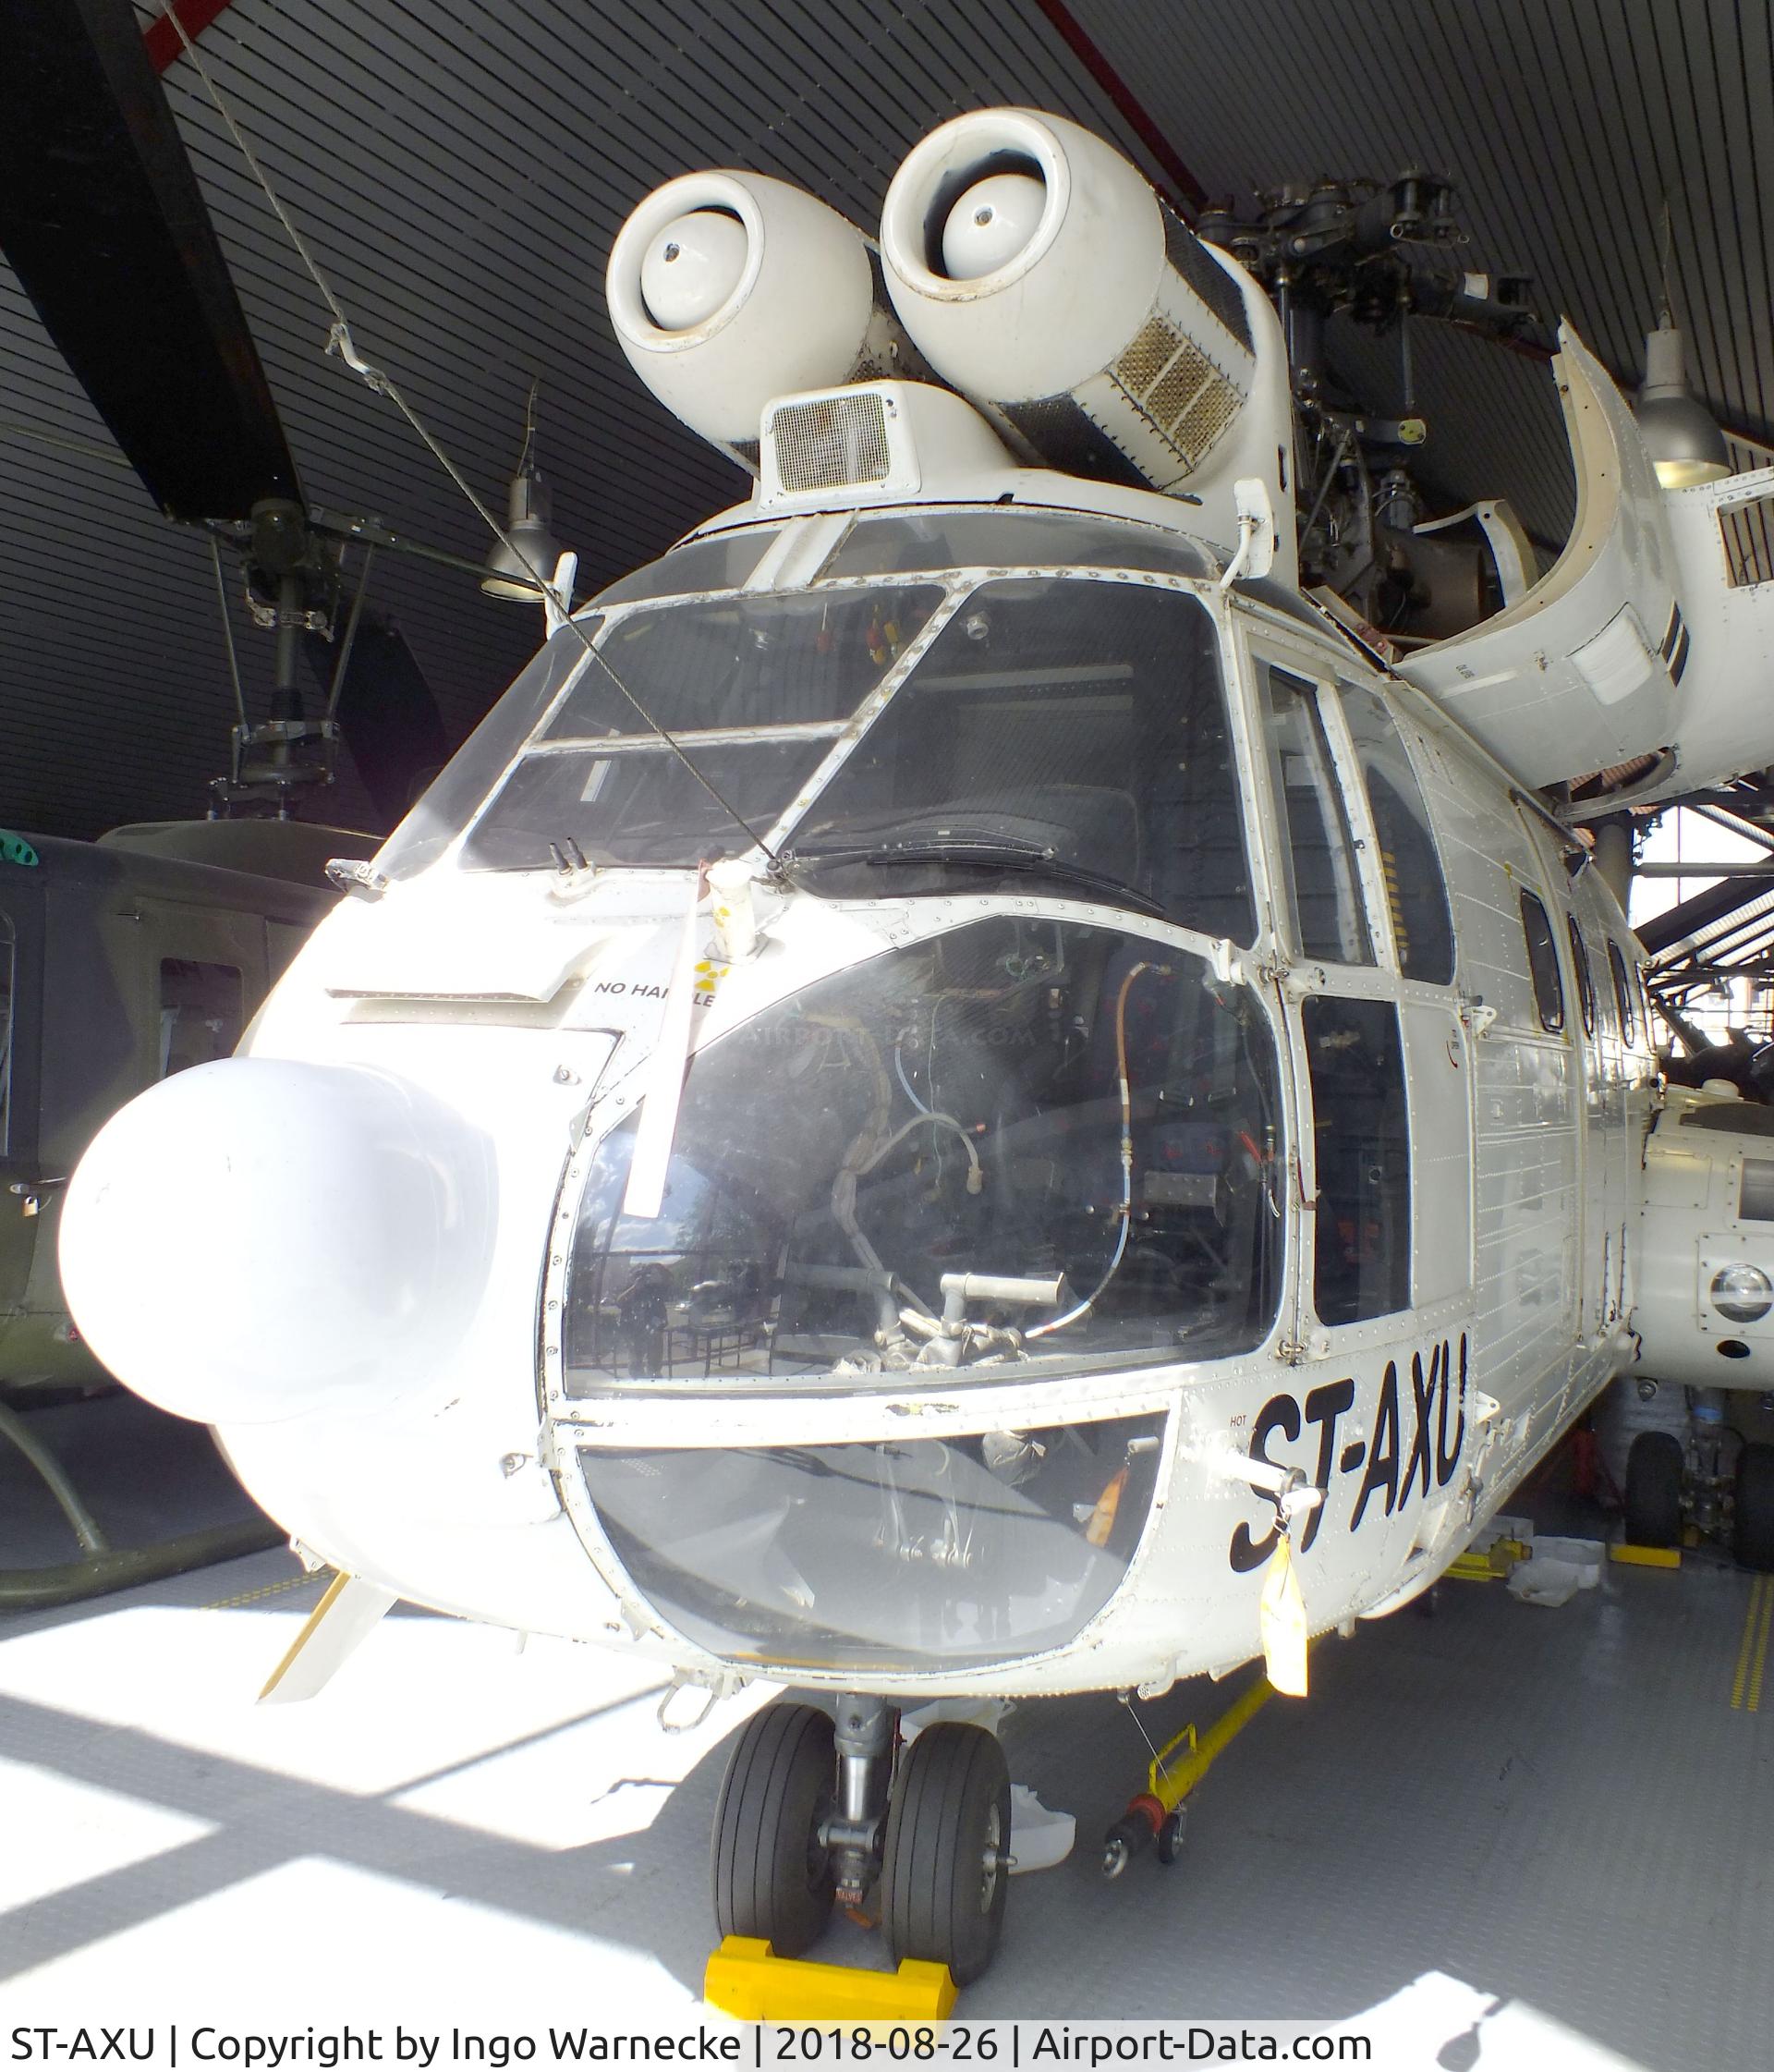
1416 895
6 964
1324 890
1755 1202
1585 978
1361 1147
1623 993
1063 736
202 1013
1543 963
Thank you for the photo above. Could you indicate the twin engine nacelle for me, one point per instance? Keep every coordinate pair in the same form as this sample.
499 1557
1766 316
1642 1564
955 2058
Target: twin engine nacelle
1024 264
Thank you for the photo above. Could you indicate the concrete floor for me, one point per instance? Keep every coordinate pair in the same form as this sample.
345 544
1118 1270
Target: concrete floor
1505 1835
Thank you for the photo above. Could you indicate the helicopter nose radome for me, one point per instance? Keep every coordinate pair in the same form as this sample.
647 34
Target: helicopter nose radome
251 1238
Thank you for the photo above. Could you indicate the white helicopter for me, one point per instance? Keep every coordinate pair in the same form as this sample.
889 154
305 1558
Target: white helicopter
960 1083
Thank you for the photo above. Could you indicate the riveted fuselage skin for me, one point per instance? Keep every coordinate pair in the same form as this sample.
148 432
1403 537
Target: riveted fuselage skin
531 1001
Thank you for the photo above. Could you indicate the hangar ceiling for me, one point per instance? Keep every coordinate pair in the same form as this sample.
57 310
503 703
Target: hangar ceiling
460 168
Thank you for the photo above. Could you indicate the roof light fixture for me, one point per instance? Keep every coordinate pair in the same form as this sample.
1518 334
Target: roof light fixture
523 561
1685 445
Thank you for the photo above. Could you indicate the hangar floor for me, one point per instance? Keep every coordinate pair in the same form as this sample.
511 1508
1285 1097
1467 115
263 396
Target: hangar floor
1517 1835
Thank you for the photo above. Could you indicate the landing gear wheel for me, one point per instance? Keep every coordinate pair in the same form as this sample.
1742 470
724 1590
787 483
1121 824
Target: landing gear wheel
773 1875
946 1866
1170 1834
1752 1532
1654 1489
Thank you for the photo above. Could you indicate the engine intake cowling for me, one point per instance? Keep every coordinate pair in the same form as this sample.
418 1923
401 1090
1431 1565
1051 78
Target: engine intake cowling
1038 274
729 288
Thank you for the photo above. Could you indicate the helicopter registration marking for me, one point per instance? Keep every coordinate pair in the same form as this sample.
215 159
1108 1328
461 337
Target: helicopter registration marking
1431 1391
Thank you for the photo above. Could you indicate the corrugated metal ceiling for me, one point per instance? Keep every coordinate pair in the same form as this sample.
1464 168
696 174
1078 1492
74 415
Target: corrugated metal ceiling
461 165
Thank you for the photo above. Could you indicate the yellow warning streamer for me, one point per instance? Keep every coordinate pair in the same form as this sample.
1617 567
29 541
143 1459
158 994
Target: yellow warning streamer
1281 1621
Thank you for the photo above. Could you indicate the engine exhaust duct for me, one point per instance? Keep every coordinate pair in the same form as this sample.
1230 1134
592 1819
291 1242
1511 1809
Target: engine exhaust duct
1038 274
729 288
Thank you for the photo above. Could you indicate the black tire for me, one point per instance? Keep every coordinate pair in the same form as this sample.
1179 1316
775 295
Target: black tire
946 1868
1654 1489
772 1877
1170 1834
1752 1532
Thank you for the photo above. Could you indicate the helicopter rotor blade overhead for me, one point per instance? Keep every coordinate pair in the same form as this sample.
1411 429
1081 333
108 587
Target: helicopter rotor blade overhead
102 220
387 713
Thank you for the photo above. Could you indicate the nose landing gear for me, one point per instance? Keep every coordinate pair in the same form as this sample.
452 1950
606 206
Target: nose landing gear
947 1866
815 1811
772 1869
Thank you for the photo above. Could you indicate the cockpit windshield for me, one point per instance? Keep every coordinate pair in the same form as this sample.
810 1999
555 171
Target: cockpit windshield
1058 727
898 726
1069 728
753 691
1023 1146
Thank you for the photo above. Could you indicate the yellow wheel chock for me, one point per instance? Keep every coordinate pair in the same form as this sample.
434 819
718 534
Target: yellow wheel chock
1485 1565
746 1978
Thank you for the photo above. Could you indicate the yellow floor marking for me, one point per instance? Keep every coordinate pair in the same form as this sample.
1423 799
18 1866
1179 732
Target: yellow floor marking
270 1590
1745 1650
1761 1646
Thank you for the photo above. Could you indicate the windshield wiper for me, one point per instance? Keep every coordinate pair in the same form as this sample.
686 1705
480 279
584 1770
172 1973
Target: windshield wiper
994 853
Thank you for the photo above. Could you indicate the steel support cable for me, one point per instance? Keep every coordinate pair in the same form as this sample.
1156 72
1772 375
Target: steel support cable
339 340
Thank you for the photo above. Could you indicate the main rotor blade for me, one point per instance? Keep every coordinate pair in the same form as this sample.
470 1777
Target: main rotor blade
104 222
387 713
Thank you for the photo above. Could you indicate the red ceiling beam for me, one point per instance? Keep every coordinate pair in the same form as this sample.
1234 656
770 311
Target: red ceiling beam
161 37
1187 193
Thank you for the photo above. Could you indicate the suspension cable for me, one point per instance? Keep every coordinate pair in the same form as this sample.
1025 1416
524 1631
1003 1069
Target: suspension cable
339 340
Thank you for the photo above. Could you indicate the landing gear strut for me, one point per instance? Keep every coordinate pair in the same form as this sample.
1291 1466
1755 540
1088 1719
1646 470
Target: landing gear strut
813 1813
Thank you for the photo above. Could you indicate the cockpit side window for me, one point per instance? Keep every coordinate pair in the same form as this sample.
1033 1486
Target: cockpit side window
1623 993
1361 1265
1543 963
1585 978
1323 886
477 766
1416 892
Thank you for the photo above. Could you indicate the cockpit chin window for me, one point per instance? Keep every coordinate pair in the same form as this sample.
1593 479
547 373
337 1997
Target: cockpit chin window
926 1163
903 1553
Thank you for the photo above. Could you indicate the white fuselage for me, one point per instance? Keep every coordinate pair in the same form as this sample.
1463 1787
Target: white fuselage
527 1003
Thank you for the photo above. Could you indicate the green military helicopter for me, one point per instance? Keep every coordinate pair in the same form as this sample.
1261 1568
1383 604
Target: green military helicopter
125 960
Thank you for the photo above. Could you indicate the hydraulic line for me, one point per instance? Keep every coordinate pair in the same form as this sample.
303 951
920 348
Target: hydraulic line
1089 1302
976 1180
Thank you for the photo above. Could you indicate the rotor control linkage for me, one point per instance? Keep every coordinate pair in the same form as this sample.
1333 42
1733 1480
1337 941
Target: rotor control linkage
853 1833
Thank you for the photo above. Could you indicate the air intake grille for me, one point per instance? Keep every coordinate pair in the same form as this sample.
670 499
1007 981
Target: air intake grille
836 442
1177 389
